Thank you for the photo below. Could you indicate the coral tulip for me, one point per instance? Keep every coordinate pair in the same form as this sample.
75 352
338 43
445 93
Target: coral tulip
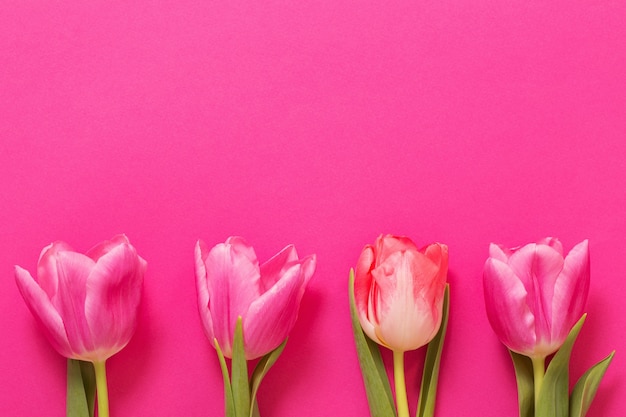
86 304
534 296
231 284
399 291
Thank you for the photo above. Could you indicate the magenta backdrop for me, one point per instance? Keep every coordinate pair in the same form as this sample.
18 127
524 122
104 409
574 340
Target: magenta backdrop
319 123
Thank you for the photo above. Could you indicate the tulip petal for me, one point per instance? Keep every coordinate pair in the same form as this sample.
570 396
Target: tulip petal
44 312
406 322
553 242
389 244
105 247
264 315
233 283
242 247
437 254
538 266
365 292
570 291
47 274
499 252
308 264
113 297
202 287
275 267
73 269
507 308
435 286
272 316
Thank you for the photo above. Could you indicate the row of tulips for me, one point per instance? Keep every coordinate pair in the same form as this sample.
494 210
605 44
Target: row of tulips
87 305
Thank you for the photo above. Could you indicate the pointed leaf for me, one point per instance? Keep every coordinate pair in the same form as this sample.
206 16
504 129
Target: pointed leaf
525 384
430 376
259 373
77 404
241 386
587 386
229 403
373 370
553 398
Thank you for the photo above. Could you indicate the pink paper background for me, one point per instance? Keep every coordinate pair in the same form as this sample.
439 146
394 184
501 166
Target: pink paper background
319 123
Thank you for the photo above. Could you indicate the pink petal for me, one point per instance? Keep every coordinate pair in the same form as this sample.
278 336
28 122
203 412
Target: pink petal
507 310
308 264
436 286
108 245
389 244
242 248
233 283
47 274
365 292
362 277
272 316
499 252
73 269
275 267
570 291
538 266
438 255
43 311
113 296
392 278
425 272
203 290
407 321
553 242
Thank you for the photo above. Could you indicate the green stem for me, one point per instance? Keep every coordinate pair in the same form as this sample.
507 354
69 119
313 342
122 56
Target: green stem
402 404
101 386
539 371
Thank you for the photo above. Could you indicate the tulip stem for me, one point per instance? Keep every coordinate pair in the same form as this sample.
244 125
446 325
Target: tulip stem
539 371
101 386
402 404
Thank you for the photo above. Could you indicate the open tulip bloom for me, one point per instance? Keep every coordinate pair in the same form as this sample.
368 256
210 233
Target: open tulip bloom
247 311
87 306
399 300
535 299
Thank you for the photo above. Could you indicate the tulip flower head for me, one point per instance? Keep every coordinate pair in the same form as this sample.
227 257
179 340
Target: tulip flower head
399 291
87 304
231 284
534 295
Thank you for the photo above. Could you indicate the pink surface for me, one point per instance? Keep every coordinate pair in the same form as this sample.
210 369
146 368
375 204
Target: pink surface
318 123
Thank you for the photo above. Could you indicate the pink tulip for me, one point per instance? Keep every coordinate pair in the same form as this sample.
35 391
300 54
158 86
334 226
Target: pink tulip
399 291
534 296
231 284
86 304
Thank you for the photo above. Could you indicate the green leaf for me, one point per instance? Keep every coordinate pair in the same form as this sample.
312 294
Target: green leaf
229 403
255 409
587 386
430 376
89 381
373 370
525 384
241 386
81 389
553 398
261 369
